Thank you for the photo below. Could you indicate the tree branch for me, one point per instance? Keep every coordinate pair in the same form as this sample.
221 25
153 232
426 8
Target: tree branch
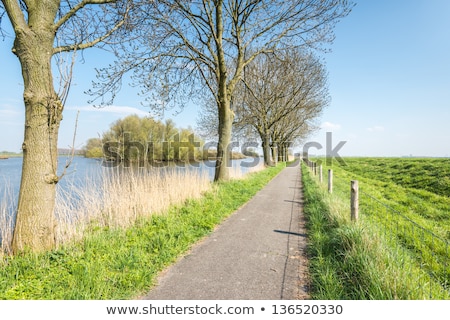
78 7
15 14
82 46
72 149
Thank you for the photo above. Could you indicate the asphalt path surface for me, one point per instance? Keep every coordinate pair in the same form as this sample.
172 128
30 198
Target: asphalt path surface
258 253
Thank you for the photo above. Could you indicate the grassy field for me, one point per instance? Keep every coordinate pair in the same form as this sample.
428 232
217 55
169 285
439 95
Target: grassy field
430 174
402 215
389 180
122 263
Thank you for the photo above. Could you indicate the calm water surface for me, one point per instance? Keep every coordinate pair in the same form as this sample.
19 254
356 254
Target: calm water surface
83 169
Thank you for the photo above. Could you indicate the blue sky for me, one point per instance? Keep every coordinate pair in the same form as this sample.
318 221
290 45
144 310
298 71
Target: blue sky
389 79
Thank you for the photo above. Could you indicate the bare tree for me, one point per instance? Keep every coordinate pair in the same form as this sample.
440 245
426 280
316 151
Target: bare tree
289 132
204 45
279 97
44 29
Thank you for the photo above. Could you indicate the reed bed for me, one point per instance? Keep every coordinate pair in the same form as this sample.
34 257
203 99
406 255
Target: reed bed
6 223
111 198
118 198
115 198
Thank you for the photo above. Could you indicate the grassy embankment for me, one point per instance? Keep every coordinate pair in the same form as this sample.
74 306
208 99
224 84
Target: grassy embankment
121 263
6 155
380 256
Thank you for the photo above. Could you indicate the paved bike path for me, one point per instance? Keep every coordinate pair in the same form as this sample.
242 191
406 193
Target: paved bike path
258 253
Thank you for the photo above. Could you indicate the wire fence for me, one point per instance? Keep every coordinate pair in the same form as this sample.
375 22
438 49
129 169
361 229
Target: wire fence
430 251
425 248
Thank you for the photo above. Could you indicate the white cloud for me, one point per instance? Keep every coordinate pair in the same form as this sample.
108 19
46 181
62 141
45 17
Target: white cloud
376 129
120 110
330 126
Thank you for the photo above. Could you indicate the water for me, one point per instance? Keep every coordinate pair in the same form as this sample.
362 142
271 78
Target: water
11 171
83 169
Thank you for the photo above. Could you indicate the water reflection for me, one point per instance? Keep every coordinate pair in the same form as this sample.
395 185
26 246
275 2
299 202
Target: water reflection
83 170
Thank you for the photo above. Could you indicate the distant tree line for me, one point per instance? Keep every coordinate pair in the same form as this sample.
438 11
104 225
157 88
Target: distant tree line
138 139
70 151
135 138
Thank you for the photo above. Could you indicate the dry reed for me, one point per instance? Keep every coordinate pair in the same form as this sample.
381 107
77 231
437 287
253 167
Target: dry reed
6 223
119 197
116 197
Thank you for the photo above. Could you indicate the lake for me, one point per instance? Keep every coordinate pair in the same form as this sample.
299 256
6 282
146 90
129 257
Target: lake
89 174
83 168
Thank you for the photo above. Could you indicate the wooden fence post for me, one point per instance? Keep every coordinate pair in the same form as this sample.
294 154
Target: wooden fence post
320 174
354 200
330 181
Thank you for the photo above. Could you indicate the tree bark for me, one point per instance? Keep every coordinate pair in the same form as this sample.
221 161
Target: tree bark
285 152
35 221
226 115
266 149
279 158
274 150
280 147
223 162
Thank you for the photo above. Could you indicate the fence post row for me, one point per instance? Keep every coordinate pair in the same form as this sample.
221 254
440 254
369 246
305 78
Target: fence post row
354 200
313 166
354 216
354 189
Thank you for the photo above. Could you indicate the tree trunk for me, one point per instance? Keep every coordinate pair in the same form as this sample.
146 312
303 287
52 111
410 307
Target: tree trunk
280 153
223 162
285 152
226 115
274 148
35 221
266 149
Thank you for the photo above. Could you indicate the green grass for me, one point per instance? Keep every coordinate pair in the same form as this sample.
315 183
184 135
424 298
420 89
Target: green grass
10 155
363 260
123 263
429 174
412 207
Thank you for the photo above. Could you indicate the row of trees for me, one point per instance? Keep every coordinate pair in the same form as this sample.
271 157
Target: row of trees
144 139
281 97
175 50
277 101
